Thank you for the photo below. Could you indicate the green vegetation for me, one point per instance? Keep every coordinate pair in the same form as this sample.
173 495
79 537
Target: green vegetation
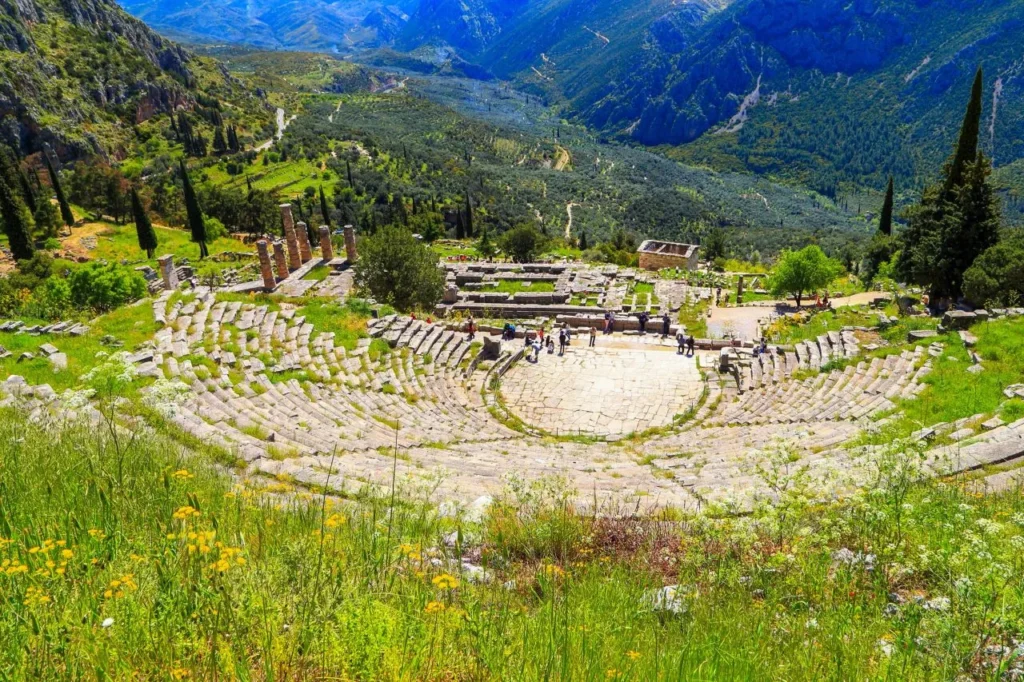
397 269
803 272
514 286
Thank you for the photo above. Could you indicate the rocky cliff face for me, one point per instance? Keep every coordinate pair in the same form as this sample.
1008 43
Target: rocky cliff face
71 62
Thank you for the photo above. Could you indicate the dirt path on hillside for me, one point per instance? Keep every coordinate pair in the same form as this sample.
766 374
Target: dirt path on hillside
563 159
568 225
282 125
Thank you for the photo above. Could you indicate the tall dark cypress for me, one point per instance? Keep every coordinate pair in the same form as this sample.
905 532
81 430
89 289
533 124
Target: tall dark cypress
17 221
65 208
220 144
583 240
967 146
469 216
348 171
196 225
143 227
885 220
323 208
28 192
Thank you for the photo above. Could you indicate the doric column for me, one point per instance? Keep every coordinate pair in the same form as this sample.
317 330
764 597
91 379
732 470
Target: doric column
350 244
302 232
326 248
289 236
266 269
166 264
279 260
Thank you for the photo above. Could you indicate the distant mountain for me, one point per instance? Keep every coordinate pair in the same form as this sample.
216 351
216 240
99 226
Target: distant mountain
335 26
78 75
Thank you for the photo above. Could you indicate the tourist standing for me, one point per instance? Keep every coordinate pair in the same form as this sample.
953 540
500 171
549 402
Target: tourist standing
690 345
563 340
607 322
593 336
536 348
666 323
681 341
471 328
643 322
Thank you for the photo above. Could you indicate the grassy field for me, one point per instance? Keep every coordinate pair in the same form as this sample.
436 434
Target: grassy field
514 286
139 560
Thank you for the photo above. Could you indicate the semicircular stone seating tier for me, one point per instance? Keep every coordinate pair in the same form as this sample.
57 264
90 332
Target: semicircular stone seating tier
274 392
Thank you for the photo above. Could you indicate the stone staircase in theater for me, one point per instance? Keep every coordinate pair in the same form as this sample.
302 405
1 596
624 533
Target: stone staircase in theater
267 387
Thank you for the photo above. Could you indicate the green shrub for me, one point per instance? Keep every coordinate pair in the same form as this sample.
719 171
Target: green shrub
102 287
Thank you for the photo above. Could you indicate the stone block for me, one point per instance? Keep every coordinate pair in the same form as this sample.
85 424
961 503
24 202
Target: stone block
918 334
958 319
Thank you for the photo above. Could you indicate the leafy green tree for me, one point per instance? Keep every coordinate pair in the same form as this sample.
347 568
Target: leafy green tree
997 275
716 245
523 243
324 211
17 221
967 145
103 287
196 223
956 220
47 218
885 219
799 273
486 247
143 227
396 268
65 208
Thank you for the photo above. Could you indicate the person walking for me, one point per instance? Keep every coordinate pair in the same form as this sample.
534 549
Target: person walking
607 322
471 328
666 322
643 323
536 348
563 340
593 336
690 342
681 341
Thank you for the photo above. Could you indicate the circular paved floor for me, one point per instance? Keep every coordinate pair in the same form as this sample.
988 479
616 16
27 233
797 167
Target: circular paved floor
614 389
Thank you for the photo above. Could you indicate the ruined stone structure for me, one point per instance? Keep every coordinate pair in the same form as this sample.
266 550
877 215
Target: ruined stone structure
302 232
266 267
656 255
350 244
170 277
326 248
279 260
294 262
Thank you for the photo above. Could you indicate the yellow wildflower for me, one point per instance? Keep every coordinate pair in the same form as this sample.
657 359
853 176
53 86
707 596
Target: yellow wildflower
632 655
446 582
35 597
434 607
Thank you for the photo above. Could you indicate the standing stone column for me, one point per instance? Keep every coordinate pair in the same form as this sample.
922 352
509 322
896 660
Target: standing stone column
326 248
302 232
166 264
279 260
289 235
739 290
350 244
266 269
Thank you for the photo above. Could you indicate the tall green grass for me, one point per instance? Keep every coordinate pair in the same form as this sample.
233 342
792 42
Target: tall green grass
142 561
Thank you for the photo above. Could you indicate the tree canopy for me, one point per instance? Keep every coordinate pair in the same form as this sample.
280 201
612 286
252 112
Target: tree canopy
802 272
997 275
523 243
396 268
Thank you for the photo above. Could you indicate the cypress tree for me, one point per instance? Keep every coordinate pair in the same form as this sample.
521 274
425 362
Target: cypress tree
323 208
26 190
65 208
460 226
583 240
17 221
195 214
143 226
469 216
967 146
348 171
885 220
220 145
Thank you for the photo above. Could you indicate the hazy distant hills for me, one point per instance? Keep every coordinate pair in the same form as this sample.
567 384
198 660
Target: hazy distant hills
824 91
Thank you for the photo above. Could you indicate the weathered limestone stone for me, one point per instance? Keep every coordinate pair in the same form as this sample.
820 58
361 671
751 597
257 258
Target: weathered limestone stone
59 361
350 244
958 319
280 261
302 232
918 334
739 290
166 264
266 268
451 294
492 348
326 248
289 235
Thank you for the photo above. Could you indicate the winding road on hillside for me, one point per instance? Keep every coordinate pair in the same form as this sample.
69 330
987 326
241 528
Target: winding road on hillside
282 125
568 225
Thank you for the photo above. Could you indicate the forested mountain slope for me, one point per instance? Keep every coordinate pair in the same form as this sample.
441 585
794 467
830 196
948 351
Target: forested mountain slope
79 75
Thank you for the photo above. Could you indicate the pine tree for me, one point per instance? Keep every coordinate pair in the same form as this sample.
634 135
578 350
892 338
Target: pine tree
469 216
967 146
885 221
196 225
323 208
143 227
220 145
17 221
65 208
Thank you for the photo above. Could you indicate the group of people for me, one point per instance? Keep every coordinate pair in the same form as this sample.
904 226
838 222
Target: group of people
538 342
686 344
